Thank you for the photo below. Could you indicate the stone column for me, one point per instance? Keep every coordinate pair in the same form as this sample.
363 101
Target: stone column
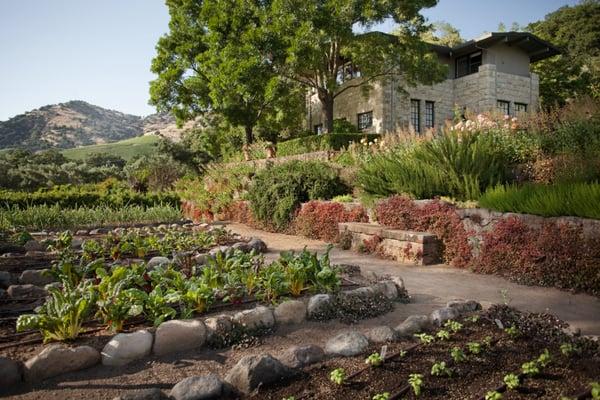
487 87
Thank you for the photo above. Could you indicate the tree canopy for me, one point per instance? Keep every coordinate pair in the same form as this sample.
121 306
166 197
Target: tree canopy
443 33
576 72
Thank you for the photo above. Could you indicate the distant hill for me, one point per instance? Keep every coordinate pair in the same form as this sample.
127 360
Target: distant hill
77 123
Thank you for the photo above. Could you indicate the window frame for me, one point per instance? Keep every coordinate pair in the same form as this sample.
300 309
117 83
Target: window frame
358 120
503 103
470 65
429 118
517 107
416 123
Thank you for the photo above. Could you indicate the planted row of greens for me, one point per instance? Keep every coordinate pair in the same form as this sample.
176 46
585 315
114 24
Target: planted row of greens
115 294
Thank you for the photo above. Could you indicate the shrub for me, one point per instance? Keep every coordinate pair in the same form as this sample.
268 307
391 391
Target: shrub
575 199
319 220
460 165
277 191
434 217
334 141
555 254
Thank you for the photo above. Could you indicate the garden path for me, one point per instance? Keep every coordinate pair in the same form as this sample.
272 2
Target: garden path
432 286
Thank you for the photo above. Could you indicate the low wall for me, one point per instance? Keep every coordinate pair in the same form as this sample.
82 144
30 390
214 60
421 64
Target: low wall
325 155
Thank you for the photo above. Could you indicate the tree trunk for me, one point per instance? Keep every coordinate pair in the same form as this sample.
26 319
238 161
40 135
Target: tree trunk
327 107
249 135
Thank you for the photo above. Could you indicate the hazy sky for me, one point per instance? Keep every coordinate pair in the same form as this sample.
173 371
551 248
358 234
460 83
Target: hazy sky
99 51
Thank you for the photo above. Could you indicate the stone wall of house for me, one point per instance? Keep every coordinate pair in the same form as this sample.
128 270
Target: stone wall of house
518 89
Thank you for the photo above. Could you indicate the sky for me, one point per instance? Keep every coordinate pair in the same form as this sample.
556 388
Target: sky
99 51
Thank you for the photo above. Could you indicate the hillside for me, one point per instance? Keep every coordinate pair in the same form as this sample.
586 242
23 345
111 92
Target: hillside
125 148
77 123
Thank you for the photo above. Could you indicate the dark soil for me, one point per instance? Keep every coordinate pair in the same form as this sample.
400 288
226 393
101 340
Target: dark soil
565 376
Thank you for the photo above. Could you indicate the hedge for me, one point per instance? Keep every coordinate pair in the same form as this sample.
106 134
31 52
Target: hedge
309 144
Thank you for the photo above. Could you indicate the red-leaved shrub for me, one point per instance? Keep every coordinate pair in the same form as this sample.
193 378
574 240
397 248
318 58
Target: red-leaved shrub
434 217
239 211
319 219
556 255
191 211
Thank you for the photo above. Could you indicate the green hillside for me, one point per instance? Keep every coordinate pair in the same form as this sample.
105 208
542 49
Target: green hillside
124 148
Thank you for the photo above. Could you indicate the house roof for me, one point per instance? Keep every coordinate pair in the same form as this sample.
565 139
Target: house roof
536 48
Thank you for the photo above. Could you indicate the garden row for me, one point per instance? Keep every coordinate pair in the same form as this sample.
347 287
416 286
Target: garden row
217 331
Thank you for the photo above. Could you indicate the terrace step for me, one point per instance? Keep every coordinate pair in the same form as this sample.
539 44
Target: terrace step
417 248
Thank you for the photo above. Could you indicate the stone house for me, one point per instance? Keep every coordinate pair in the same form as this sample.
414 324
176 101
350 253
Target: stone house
488 73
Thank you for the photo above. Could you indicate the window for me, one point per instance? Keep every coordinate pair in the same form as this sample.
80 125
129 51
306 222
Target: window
318 129
520 108
365 120
468 64
415 114
503 107
429 114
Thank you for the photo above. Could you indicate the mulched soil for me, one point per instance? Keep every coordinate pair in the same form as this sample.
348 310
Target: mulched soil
566 376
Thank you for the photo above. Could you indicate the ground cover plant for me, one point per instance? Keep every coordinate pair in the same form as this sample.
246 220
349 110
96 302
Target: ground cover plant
560 199
491 365
319 220
54 217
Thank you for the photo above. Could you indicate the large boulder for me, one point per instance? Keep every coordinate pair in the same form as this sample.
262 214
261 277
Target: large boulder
157 261
464 306
99 231
127 347
320 307
241 246
33 245
38 277
10 373
58 359
441 315
28 290
143 394
218 325
179 335
256 318
225 250
387 289
381 334
5 279
290 312
301 356
204 387
252 371
347 344
257 245
411 325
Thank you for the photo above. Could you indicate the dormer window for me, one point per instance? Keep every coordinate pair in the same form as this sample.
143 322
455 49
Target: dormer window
468 64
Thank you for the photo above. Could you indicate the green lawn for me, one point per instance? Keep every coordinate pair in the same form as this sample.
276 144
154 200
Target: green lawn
124 148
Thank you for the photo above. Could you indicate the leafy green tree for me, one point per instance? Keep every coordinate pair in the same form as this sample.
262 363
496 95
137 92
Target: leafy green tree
575 72
215 58
317 39
443 33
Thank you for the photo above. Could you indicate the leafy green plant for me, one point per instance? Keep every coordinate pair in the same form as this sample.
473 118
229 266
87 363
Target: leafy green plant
338 376
595 390
157 306
425 338
513 332
374 360
493 395
454 326
440 369
62 314
382 396
568 349
458 355
443 334
530 368
416 383
544 359
474 347
512 381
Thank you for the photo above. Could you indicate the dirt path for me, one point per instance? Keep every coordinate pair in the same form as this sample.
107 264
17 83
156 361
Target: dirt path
437 284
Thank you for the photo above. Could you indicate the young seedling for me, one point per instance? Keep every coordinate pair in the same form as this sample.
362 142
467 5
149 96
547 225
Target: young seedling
595 390
474 347
493 395
401 353
454 326
487 341
381 396
568 349
512 381
473 319
513 332
458 355
439 369
530 368
338 376
374 360
416 382
443 334
425 338
545 358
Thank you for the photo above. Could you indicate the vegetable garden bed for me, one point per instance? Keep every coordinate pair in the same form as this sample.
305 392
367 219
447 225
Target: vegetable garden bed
469 360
